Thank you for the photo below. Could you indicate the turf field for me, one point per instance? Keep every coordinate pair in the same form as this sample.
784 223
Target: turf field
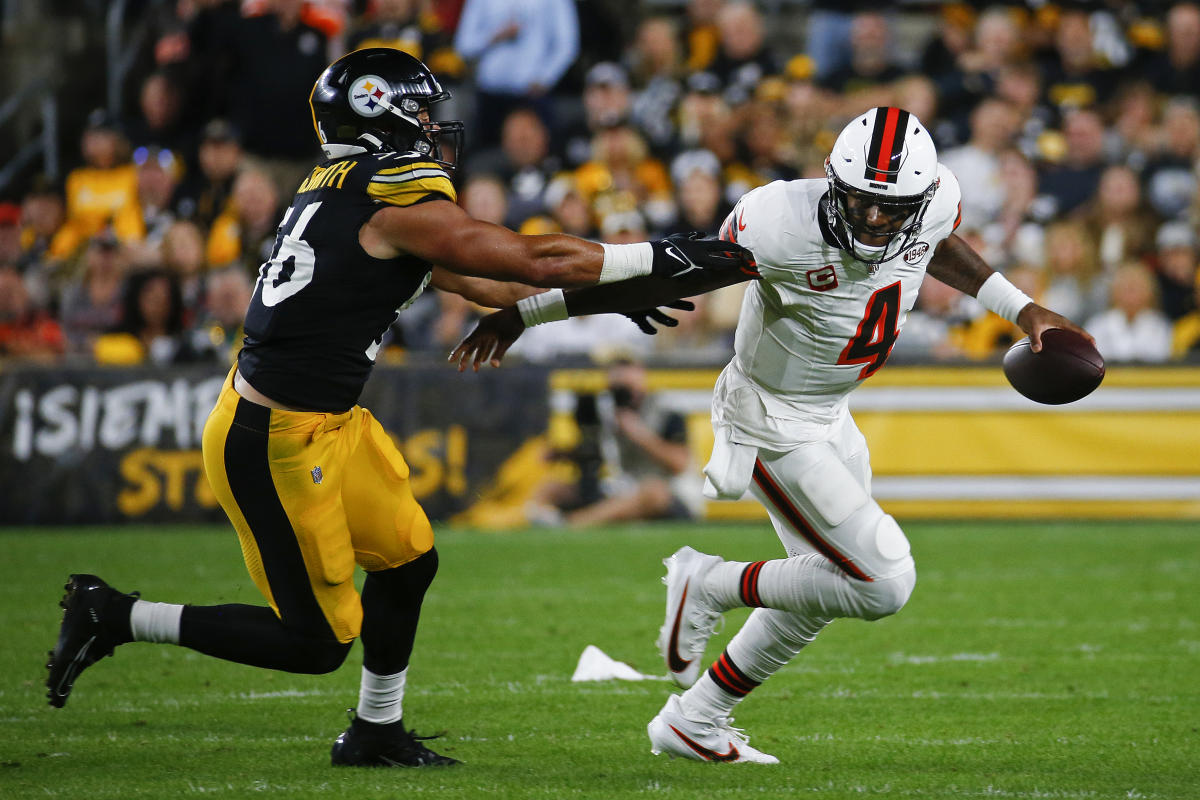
1033 661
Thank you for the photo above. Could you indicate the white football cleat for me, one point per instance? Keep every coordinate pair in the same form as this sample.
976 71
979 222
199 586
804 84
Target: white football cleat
701 740
690 622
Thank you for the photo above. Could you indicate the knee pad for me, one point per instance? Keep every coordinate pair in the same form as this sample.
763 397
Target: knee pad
887 594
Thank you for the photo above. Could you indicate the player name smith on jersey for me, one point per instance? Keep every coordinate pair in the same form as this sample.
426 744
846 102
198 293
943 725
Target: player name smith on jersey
819 322
322 305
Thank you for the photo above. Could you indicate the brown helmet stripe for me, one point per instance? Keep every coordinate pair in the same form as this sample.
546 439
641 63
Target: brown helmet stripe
887 143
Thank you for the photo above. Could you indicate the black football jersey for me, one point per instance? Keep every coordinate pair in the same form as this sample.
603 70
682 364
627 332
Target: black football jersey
322 304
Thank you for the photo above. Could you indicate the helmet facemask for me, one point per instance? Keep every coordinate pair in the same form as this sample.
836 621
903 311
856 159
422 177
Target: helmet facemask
441 140
898 223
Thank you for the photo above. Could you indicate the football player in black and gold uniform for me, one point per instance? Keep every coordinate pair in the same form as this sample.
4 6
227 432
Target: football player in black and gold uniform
310 480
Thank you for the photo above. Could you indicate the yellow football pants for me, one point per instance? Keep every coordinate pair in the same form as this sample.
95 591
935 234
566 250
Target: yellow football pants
310 495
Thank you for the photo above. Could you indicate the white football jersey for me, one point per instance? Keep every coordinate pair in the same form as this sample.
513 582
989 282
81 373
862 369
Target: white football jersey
818 323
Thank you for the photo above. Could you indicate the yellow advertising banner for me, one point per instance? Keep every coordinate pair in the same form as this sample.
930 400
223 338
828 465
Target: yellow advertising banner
960 442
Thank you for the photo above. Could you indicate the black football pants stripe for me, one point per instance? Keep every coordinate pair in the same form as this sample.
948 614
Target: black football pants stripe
300 639
247 464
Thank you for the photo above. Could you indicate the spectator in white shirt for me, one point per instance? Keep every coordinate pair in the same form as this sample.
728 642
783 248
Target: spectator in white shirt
1133 328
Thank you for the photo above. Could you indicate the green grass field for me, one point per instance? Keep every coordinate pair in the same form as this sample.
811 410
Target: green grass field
1033 661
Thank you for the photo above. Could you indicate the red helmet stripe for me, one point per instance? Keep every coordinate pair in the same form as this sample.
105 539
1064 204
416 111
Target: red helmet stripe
887 142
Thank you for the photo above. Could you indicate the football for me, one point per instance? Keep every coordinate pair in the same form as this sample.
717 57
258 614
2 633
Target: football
1068 368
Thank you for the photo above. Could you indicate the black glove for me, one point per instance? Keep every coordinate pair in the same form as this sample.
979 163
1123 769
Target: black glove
681 254
646 318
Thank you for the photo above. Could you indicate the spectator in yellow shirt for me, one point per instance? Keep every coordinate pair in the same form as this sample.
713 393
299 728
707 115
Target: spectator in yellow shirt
101 193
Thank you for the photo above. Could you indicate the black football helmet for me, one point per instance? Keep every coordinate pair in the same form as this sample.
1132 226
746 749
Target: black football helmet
381 93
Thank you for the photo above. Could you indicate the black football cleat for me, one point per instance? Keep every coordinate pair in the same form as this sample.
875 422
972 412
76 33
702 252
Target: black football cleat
83 639
368 744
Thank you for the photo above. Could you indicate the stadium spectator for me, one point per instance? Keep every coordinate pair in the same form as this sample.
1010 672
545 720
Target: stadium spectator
524 164
26 331
41 215
217 334
934 328
404 25
245 233
1171 182
621 164
1132 328
151 328
1176 70
161 123
204 193
977 163
656 71
568 207
1014 223
520 51
484 197
91 304
1075 77
1177 269
704 118
994 45
1118 220
183 256
701 35
158 172
697 178
743 58
829 31
871 63
101 193
645 467
1070 265
955 37
1135 114
1020 87
1072 179
606 103
270 61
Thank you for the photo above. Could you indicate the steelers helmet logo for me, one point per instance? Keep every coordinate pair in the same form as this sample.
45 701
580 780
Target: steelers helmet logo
367 95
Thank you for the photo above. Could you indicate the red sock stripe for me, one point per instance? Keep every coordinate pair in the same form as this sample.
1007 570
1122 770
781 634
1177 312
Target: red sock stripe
749 587
727 675
792 514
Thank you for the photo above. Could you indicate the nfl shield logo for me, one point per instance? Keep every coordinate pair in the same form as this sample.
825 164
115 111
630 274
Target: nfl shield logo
317 476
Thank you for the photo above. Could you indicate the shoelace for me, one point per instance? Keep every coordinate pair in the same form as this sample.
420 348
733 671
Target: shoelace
725 725
713 621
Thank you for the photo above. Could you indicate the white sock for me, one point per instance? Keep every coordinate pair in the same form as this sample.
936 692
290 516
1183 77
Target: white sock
155 622
380 697
811 585
770 639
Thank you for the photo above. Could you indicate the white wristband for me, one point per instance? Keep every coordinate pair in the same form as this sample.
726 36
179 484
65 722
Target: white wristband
548 306
1000 296
622 261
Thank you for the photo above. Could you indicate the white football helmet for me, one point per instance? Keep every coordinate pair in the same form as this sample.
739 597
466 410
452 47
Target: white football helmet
882 176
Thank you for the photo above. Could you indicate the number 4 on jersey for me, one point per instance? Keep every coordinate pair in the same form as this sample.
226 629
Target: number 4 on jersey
876 332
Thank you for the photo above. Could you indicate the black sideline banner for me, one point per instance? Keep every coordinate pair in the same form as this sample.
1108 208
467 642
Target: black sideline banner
117 445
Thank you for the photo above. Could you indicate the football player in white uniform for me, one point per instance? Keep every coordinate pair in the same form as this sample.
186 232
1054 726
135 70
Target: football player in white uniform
841 261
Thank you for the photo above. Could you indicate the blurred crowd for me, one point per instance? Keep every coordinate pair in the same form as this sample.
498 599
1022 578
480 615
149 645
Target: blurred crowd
1074 130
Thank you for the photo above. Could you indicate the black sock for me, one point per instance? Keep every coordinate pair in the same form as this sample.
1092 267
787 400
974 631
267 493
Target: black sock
391 601
254 635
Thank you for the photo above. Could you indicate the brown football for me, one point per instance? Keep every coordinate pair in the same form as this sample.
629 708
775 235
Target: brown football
1068 368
